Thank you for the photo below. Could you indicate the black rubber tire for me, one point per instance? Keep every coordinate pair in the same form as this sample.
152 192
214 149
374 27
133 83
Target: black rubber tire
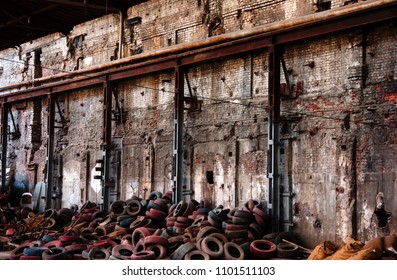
134 207
287 251
180 208
159 250
289 236
98 253
182 250
18 251
55 253
197 255
233 251
205 231
154 195
118 208
270 236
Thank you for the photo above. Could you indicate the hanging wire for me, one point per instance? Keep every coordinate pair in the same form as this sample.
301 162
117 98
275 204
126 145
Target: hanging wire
243 102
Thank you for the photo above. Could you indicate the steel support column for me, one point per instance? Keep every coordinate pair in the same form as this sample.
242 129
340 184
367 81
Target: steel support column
4 142
178 135
50 150
106 143
274 56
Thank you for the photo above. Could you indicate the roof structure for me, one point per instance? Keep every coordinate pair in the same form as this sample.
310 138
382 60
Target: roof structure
25 20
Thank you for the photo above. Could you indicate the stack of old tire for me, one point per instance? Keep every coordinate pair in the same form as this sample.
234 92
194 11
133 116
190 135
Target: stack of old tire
154 228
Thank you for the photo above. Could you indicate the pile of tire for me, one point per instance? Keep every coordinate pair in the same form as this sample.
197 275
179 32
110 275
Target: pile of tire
155 228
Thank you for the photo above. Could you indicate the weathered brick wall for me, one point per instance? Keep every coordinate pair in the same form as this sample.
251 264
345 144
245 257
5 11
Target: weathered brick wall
342 147
340 124
82 136
147 135
165 23
376 148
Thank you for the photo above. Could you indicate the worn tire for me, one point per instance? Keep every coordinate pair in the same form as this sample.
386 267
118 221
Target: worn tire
98 253
133 207
263 249
182 250
233 251
55 253
18 251
287 251
197 255
143 255
159 250
212 246
122 251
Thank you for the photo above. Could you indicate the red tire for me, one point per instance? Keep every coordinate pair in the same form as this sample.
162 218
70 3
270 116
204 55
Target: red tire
122 251
159 250
141 233
156 240
263 249
18 251
144 255
98 253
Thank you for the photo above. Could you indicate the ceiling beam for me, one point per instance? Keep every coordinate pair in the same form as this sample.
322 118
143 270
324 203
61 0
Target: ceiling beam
27 16
69 3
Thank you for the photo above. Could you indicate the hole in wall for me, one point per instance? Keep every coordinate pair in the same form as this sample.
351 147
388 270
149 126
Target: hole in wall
382 216
210 177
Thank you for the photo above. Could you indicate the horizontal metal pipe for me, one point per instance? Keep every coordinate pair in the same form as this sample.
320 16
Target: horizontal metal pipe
271 28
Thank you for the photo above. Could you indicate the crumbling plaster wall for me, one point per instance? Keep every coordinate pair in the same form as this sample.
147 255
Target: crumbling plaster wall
340 122
342 129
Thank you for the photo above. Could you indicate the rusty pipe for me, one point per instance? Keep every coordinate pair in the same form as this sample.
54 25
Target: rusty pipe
270 28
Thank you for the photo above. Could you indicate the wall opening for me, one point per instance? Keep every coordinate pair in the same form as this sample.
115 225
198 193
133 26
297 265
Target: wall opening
210 177
381 215
38 72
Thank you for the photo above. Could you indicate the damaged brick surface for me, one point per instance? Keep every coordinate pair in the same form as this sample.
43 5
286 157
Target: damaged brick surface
340 121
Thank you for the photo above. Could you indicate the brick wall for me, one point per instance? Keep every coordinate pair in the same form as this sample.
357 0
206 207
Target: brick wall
339 124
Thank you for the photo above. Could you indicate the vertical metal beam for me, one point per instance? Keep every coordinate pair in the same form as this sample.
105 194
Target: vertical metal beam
50 150
178 135
106 143
4 134
273 134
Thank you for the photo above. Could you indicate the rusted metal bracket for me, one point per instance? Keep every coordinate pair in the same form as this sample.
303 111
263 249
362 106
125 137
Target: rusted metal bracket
194 105
119 115
61 116
286 75
16 134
